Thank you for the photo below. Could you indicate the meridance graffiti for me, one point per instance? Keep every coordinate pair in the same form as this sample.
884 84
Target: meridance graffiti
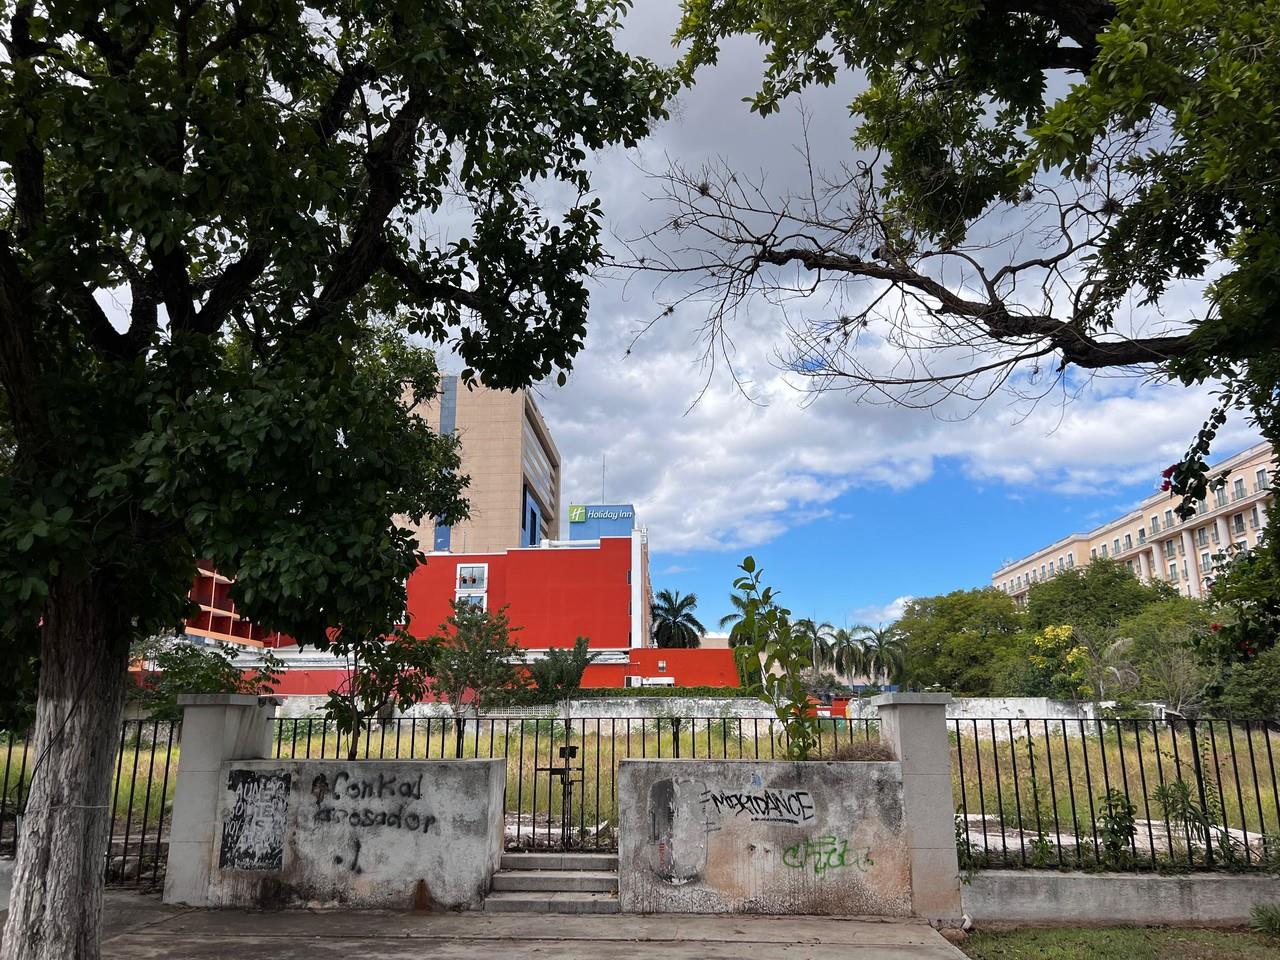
766 806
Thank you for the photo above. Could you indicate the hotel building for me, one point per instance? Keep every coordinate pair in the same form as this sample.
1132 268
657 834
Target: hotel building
514 466
1155 543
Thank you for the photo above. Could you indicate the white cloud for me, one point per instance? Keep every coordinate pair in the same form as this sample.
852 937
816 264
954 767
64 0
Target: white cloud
876 614
714 470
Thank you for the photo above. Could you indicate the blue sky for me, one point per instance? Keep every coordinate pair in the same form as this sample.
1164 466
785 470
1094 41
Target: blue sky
948 532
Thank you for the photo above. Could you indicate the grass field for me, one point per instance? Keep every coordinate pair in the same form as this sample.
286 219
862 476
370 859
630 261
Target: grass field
1121 944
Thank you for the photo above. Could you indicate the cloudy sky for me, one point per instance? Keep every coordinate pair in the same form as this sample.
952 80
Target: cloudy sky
849 507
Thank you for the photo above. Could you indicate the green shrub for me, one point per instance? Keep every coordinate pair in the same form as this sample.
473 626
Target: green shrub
1265 919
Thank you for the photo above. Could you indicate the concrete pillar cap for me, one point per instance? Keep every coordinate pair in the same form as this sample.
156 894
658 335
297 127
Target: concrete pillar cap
224 700
910 699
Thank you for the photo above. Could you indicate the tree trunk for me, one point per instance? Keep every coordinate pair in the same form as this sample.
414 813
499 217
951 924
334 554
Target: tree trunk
56 907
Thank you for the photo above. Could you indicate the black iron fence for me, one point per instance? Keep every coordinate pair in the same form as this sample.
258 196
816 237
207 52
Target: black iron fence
1118 794
141 797
1114 794
561 774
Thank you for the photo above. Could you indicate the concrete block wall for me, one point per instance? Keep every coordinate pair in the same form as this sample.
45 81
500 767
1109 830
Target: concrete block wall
1098 899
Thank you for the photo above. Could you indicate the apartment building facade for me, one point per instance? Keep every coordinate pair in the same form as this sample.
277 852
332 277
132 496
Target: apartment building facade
513 463
1155 543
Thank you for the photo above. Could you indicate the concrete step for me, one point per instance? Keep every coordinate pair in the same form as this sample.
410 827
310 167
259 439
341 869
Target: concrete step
551 881
528 902
560 861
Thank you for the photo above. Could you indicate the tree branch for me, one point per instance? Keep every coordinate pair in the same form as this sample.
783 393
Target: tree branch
429 290
231 289
365 252
1075 345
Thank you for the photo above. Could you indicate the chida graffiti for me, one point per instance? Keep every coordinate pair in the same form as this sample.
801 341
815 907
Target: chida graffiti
823 854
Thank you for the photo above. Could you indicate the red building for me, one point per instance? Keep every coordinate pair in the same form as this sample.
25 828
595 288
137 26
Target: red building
553 593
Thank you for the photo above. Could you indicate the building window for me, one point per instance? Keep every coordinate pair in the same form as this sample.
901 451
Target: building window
472 599
1205 562
1168 519
1128 565
1104 549
1220 497
1093 553
1042 571
1155 525
1115 545
473 577
1173 571
1238 522
1071 561
1242 545
1128 541
1201 507
662 666
1062 564
1255 519
1202 536
1142 534
1261 480
1237 489
1169 549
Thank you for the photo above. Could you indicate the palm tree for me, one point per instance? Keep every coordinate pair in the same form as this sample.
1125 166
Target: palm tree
674 624
732 621
819 637
884 651
848 654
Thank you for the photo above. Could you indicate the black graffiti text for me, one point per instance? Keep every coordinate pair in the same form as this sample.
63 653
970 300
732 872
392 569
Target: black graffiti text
766 806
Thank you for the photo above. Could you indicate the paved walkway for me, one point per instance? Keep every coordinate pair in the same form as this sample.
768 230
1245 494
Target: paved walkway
210 935
139 927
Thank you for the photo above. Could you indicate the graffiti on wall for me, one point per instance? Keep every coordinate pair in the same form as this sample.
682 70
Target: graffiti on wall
762 806
375 801
253 831
825 853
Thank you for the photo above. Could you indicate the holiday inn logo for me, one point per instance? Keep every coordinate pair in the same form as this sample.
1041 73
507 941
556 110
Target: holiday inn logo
577 513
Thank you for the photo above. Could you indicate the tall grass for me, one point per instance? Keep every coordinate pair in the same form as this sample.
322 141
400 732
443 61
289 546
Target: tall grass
1203 792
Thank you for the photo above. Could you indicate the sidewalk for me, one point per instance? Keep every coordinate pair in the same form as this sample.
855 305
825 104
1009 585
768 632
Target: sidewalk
139 927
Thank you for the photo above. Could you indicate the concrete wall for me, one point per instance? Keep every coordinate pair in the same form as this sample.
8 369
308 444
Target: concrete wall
1004 709
1048 897
387 834
746 836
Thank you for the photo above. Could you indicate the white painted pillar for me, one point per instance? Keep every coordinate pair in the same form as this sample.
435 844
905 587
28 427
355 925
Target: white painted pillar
1224 534
914 726
216 727
1193 563
1144 565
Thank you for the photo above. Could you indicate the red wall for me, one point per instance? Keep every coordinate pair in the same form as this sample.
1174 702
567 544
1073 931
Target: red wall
554 595
690 668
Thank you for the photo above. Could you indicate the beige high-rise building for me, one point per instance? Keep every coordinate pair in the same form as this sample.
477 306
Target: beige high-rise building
514 467
1154 543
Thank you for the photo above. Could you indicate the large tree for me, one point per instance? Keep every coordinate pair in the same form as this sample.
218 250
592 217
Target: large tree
204 205
963 641
1039 190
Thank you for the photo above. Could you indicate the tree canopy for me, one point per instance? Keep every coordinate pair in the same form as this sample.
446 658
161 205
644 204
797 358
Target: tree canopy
207 208
960 640
1025 174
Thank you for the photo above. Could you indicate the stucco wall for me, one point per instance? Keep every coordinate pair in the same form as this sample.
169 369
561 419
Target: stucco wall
1048 896
390 834
745 836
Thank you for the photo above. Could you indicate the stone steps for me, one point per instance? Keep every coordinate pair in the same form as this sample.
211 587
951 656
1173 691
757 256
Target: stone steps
560 861
555 883
565 902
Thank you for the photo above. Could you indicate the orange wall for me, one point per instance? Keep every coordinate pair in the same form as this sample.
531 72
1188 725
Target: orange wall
553 595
